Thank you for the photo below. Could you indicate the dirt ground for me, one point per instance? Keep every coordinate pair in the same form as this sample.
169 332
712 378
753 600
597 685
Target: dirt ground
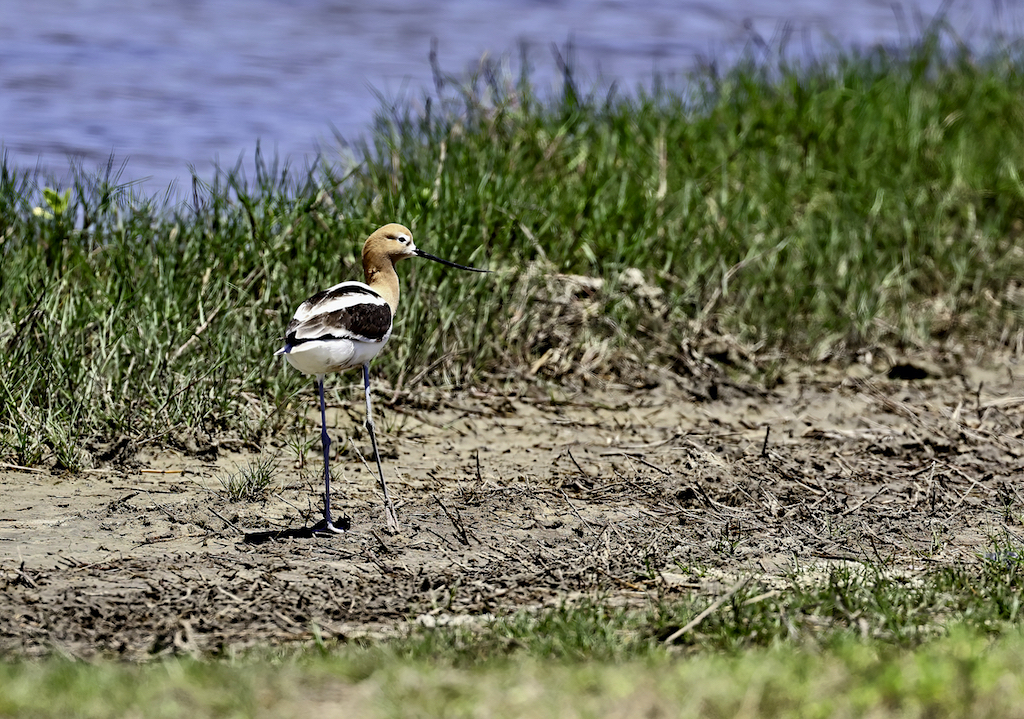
511 503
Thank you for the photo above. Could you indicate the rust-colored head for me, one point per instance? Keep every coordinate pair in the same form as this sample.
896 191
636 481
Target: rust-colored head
393 242
386 246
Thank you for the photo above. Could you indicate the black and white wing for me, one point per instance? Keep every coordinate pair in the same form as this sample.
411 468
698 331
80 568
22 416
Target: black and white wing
348 311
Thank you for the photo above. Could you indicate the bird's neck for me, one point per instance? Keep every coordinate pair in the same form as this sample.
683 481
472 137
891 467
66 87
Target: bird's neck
381 276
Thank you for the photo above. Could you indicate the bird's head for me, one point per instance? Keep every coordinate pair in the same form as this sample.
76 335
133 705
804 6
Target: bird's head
394 242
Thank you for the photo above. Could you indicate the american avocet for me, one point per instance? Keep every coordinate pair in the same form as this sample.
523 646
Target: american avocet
344 327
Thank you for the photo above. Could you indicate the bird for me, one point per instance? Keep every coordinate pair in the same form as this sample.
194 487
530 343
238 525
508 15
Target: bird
346 326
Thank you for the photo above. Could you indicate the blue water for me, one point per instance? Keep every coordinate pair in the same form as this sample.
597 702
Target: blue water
165 85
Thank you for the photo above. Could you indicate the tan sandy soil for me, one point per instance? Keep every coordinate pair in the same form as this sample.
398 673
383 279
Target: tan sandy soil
510 503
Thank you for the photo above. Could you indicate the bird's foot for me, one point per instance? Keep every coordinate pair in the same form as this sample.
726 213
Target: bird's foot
391 519
326 527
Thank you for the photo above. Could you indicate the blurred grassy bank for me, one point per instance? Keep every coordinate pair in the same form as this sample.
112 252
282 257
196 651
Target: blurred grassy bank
808 211
959 677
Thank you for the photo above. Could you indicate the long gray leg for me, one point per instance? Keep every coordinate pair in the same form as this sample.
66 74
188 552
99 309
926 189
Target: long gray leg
389 509
326 525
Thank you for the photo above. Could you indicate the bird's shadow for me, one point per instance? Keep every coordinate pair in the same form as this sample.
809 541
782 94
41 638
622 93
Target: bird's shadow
313 532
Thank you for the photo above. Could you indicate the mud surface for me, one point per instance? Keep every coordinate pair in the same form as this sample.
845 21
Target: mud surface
514 503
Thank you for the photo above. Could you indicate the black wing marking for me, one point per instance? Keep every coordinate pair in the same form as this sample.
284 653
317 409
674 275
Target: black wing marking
345 289
366 321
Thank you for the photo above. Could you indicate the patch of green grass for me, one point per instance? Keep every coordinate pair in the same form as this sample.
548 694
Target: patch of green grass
842 603
177 688
252 482
963 674
869 198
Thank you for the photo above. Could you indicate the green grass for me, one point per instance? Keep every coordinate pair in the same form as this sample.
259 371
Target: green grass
252 482
813 609
810 210
947 643
963 675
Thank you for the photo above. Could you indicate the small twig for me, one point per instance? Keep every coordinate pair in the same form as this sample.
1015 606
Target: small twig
706 497
229 595
764 447
707 612
174 518
441 537
851 510
639 458
814 490
226 521
761 597
460 528
620 581
575 511
383 545
964 495
24 576
19 468
361 458
582 471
